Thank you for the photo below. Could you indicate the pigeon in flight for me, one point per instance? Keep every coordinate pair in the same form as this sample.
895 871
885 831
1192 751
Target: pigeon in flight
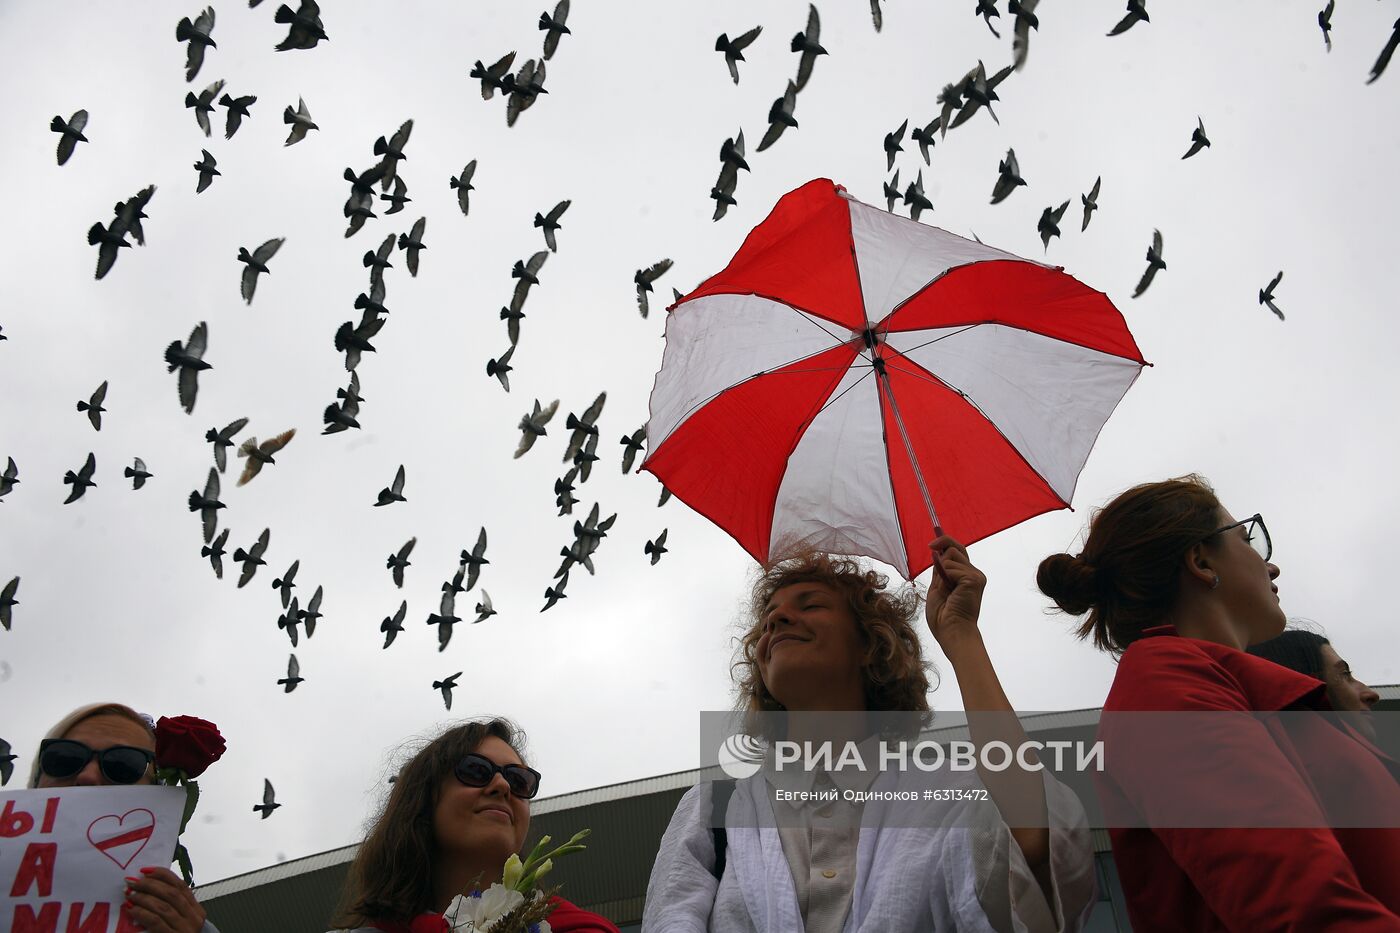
376 261
352 341
532 426
496 78
207 169
137 473
189 360
81 480
269 803
10 478
584 427
474 559
359 207
71 133
394 491
643 279
1049 223
1199 140
916 199
312 613
1266 295
1091 203
399 562
925 136
127 219
256 263
550 223
1154 262
455 584
553 594
877 15
808 43
398 198
445 618
733 49
7 763
563 492
987 9
448 684
286 582
978 91
259 454
299 120
1008 177
656 548
892 144
525 89
632 445
223 439
237 110
93 406
892 193
586 457
722 192
289 683
1324 22
1026 20
306 27
252 558
289 620
528 272
374 301
500 367
215 553
780 117
391 152
1386 53
463 185
8 602
554 27
392 625
207 504
203 104
484 609
197 34
342 416
1137 13
412 243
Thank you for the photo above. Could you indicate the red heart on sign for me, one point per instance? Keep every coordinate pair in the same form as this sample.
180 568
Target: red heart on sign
121 838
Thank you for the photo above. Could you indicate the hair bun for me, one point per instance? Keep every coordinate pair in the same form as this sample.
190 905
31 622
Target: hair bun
1070 581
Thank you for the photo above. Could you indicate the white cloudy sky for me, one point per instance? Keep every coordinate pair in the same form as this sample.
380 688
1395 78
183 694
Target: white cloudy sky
1295 420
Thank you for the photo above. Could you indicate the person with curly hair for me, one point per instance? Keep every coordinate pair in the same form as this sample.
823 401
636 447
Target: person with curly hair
458 809
1221 818
828 644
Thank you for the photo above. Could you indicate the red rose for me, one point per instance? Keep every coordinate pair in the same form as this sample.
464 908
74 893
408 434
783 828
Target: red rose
188 744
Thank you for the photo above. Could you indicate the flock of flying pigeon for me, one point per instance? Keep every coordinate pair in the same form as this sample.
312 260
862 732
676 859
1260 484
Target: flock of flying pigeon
959 101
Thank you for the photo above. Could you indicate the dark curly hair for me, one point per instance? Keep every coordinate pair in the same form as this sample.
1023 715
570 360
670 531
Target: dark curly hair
896 674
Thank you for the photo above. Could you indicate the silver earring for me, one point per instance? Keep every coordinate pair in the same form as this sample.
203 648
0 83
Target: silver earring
1214 581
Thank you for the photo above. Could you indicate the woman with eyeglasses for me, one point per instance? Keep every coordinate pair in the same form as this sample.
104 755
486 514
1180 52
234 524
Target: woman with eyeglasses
1178 588
457 810
105 744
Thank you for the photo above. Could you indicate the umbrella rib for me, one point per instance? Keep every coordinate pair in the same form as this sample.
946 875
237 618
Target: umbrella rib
961 330
832 401
812 318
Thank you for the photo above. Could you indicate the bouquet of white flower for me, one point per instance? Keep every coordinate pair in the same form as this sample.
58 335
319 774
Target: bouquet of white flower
515 904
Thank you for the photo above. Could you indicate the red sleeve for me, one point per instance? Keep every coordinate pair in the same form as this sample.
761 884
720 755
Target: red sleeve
1252 879
568 918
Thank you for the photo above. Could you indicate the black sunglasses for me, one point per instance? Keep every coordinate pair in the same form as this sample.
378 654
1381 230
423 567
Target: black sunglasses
477 771
121 764
1256 534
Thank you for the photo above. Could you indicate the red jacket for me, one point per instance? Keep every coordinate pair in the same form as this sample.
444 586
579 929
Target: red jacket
1243 879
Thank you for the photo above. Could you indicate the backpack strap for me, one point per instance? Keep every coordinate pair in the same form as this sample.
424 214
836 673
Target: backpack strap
720 791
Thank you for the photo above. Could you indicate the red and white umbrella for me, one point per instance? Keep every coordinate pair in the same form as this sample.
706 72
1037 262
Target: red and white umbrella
853 379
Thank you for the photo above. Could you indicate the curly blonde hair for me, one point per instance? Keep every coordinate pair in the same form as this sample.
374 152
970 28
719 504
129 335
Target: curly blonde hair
896 674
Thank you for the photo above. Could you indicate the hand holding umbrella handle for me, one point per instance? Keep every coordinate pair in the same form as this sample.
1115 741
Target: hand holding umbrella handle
938 561
953 608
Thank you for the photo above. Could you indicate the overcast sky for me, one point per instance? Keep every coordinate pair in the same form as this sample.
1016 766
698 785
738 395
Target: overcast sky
1293 419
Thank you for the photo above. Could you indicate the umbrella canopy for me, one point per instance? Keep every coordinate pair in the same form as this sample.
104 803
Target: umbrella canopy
853 378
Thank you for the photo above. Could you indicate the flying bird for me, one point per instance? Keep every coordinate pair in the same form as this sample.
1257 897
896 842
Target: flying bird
237 110
354 340
289 620
256 263
137 473
500 367
632 445
259 454
916 199
269 803
189 359
70 134
286 582
553 594
374 301
412 243
1324 22
1137 13
1049 223
731 157
925 136
780 117
977 91
207 504
1198 139
484 609
892 144
223 439
1091 203
733 49
10 478
215 553
584 427
643 279
8 602
358 208
399 562
399 197
877 15
563 492
448 684
987 9
203 104
392 625
127 218
1008 177
312 613
342 416
525 89
1266 295
808 43
496 78
1154 262
391 152
81 480
1386 53
251 559
197 34
376 261
394 491
445 618
554 27
892 192
528 273
532 426
93 406
550 223
306 26
1026 20
475 559
7 762
656 548
207 169
463 185
299 120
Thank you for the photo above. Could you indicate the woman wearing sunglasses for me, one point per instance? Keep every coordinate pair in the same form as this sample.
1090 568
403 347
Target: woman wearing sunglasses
1178 588
457 810
105 744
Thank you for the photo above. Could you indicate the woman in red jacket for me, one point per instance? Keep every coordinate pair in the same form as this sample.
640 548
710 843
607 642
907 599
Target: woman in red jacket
1177 587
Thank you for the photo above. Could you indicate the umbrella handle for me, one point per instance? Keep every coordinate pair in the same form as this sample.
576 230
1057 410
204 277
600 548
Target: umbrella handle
938 562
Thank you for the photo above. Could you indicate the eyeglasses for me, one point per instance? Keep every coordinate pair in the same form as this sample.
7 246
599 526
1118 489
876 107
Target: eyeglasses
1258 535
121 764
477 771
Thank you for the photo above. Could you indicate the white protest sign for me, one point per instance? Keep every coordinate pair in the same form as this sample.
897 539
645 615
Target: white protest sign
64 854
